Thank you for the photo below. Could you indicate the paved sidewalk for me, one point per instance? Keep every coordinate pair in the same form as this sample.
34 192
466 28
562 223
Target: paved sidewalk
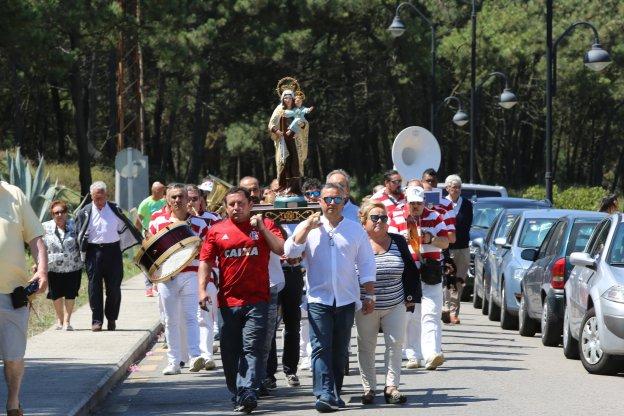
67 373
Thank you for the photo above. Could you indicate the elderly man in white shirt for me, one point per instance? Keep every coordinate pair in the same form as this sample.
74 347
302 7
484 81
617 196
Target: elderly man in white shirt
333 247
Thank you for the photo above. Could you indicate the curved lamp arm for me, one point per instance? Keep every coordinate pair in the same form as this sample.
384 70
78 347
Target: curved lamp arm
414 8
498 74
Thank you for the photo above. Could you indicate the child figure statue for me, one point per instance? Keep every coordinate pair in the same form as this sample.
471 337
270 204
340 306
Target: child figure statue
298 114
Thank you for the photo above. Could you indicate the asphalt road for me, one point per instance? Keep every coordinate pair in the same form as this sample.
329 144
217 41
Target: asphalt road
488 371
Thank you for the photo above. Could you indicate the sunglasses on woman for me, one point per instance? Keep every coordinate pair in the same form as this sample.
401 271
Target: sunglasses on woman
313 194
375 218
333 200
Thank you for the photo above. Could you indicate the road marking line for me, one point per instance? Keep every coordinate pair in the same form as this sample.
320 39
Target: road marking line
129 392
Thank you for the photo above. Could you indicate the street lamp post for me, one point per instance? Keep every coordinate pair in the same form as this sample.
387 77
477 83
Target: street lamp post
506 100
473 75
397 28
460 118
595 59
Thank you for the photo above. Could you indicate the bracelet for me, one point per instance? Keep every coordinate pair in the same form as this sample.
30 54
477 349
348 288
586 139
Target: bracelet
371 297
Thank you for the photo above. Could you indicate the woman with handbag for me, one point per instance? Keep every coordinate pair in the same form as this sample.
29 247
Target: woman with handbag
64 264
397 287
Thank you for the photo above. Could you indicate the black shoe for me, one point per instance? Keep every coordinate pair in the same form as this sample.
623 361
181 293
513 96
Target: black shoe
111 325
182 364
326 404
263 392
269 384
346 369
247 404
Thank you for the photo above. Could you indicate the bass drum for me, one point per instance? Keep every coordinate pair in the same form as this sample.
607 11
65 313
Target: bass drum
168 252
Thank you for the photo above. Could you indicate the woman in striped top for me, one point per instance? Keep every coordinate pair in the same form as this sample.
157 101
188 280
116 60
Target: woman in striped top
397 287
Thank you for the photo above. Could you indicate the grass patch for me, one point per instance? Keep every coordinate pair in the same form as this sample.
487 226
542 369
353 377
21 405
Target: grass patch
43 316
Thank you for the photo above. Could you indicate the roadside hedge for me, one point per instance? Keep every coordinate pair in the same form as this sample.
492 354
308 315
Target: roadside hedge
574 197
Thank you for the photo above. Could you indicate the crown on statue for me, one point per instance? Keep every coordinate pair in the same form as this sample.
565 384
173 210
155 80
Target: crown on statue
287 83
300 94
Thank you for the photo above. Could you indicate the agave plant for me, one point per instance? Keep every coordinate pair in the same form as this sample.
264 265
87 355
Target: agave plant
38 190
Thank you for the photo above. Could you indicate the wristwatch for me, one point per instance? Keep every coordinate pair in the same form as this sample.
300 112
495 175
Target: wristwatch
371 297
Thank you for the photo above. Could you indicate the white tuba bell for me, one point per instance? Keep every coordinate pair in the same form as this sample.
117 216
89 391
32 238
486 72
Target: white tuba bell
415 150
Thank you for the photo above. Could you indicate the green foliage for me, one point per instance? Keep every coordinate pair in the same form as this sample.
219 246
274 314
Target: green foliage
38 189
574 197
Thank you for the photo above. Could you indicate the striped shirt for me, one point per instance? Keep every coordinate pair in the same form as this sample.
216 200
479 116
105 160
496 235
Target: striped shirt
429 222
445 208
199 225
389 283
394 209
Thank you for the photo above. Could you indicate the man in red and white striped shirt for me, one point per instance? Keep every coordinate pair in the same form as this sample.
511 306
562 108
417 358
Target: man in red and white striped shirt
427 236
179 295
393 199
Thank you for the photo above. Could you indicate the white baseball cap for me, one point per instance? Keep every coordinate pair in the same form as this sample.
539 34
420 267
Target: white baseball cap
415 194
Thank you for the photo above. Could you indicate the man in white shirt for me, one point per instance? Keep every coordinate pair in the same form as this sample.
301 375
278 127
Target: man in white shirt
104 232
333 246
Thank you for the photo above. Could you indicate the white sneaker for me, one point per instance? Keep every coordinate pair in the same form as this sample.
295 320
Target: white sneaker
215 348
434 362
412 363
305 363
209 365
196 364
171 370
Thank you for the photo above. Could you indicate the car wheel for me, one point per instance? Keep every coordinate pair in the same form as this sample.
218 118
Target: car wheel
594 359
570 345
494 312
551 326
476 299
507 320
486 304
526 326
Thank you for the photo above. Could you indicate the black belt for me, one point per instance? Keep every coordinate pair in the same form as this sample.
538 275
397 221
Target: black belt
104 245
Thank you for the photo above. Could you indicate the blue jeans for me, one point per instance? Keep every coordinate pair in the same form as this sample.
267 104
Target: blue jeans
270 335
330 333
243 337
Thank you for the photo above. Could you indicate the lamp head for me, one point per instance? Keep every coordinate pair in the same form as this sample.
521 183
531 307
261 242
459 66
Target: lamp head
597 58
508 99
397 28
460 118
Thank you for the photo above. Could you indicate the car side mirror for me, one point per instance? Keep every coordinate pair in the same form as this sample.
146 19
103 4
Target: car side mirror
529 254
500 241
582 259
478 242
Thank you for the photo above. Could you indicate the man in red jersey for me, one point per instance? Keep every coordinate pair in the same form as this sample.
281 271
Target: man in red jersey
241 245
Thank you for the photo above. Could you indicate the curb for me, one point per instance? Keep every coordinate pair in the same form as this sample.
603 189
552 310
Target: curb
116 374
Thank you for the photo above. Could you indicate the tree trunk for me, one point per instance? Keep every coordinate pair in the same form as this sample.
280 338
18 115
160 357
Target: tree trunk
154 150
60 125
76 88
200 127
111 96
167 166
18 113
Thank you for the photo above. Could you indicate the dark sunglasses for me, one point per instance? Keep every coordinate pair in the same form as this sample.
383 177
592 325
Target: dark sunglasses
396 181
314 194
375 218
59 212
333 199
194 198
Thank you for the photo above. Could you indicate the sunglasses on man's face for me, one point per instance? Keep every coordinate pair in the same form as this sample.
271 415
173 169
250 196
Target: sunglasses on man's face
333 200
59 212
396 181
313 194
375 218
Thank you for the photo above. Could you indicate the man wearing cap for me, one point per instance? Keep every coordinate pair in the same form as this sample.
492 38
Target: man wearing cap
426 234
393 199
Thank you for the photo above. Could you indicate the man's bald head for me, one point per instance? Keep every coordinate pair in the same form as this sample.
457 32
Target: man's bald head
253 186
158 190
340 177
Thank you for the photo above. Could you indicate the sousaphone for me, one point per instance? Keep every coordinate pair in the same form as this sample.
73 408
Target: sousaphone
415 150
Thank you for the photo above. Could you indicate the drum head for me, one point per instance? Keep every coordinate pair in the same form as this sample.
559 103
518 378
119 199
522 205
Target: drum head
177 261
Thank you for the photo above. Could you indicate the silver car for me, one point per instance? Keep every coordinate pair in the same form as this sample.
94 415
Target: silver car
593 322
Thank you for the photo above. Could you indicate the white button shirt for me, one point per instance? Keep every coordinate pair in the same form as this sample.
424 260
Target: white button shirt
332 255
104 225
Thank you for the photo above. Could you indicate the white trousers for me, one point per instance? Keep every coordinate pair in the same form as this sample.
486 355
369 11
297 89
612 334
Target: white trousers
423 327
206 320
392 321
179 300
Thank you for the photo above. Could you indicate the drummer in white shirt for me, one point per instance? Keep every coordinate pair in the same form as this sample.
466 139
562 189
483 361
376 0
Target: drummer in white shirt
333 245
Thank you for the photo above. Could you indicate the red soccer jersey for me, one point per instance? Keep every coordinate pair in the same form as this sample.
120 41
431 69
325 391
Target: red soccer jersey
243 258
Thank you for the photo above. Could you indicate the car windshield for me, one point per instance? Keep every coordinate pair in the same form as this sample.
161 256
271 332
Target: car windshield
484 215
533 232
616 254
579 236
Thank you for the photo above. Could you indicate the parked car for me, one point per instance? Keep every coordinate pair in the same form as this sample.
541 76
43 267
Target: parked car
474 191
593 321
542 301
528 231
486 250
485 211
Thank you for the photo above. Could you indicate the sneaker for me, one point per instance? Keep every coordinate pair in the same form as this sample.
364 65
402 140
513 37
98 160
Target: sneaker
341 403
215 348
293 380
412 363
269 384
446 317
305 363
247 404
326 404
196 364
68 327
171 370
209 365
149 292
434 362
